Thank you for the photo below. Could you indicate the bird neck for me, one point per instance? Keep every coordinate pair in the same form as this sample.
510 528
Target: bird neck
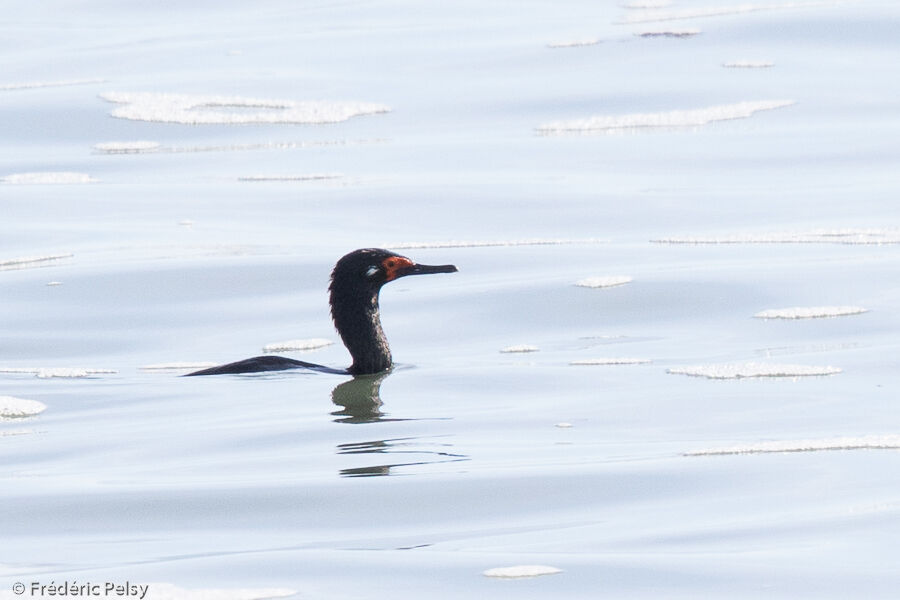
358 322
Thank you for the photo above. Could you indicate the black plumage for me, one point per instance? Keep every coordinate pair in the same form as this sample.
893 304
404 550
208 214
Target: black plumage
356 281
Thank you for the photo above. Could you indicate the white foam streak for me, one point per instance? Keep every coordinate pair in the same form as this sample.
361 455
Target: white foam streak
653 14
610 361
137 147
818 236
10 433
521 571
232 110
30 85
672 33
520 349
485 244
297 345
604 282
866 442
753 369
47 178
575 43
670 119
810 312
17 408
72 373
9 264
148 147
307 177
56 372
748 64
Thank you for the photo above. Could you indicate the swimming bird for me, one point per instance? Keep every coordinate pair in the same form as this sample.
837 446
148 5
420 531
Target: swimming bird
356 281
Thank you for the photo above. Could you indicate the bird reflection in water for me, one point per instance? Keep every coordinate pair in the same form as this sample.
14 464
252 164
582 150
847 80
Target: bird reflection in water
360 399
360 402
410 445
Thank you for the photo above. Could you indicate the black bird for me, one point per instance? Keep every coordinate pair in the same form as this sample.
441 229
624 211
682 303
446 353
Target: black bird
356 280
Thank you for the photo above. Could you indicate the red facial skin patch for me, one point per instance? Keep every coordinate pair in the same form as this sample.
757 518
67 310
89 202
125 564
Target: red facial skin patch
393 266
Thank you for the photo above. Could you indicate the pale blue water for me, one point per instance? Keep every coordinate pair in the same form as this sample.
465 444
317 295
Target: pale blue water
266 482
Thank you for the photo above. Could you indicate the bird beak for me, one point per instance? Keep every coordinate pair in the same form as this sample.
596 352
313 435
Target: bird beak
417 269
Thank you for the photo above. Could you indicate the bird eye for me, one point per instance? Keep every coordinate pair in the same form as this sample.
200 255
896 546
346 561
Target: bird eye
391 263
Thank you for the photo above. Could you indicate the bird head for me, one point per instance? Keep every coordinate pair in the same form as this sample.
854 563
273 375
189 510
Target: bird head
371 268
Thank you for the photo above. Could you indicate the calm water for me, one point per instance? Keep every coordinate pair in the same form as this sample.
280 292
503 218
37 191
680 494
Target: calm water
206 241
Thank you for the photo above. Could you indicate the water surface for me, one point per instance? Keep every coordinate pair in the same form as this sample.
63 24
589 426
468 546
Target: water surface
132 243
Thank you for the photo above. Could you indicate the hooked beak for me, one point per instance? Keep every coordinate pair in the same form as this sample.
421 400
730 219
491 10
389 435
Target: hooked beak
416 269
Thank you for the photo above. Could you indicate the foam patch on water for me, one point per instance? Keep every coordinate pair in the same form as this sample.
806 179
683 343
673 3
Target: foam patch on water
232 110
866 442
26 262
297 345
47 178
575 43
752 369
167 591
490 243
178 366
817 236
604 282
17 408
30 85
307 177
811 312
136 147
521 571
610 361
748 64
521 348
57 372
675 119
671 33
653 14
